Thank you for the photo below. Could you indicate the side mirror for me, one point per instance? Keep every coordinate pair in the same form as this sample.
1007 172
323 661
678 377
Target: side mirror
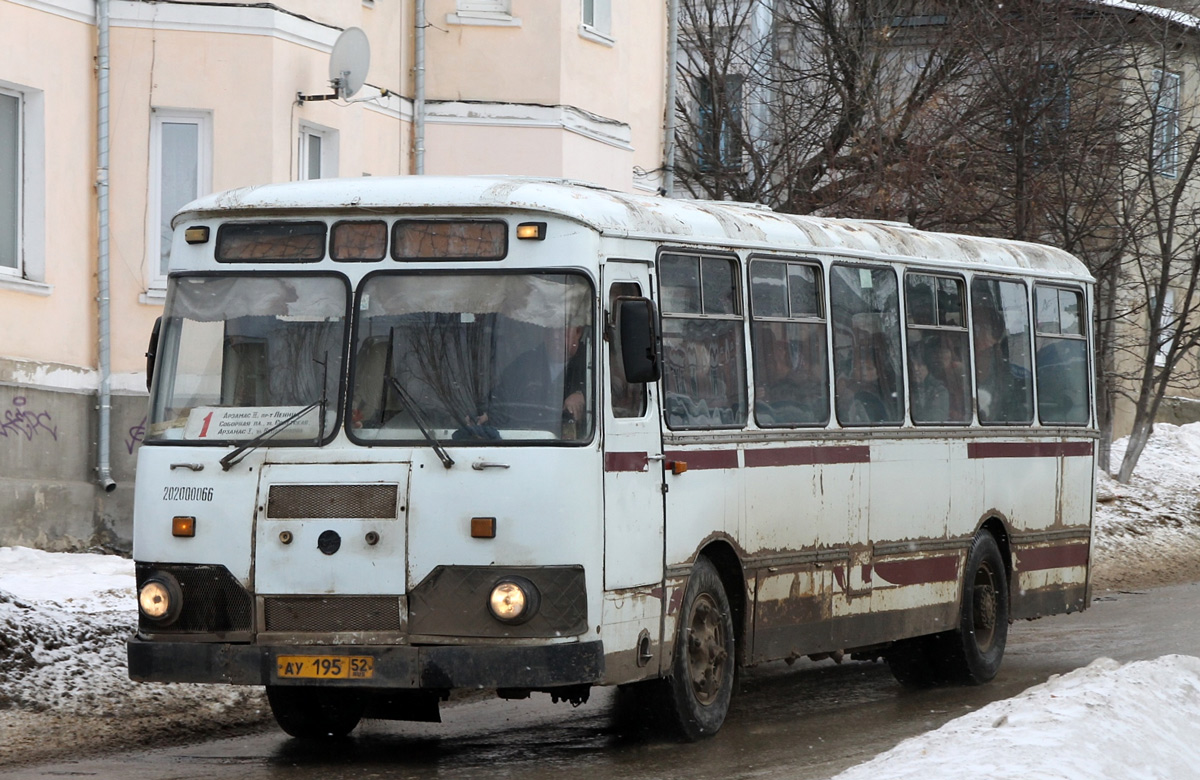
152 352
638 337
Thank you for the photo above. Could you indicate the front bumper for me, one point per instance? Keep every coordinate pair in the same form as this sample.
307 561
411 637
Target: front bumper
428 667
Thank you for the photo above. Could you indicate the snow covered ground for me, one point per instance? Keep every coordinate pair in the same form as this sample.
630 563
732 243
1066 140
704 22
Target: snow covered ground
64 618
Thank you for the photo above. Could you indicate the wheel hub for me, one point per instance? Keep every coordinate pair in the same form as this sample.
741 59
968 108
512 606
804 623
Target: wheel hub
706 649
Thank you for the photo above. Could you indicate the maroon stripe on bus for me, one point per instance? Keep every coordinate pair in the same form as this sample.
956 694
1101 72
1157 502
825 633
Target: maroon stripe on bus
1061 557
919 571
625 461
1028 449
705 459
807 456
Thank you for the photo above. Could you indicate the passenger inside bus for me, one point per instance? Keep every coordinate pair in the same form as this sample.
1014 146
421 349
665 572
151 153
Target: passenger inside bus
1003 396
930 397
866 388
543 387
789 389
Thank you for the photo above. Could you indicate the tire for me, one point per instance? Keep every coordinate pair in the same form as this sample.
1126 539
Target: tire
315 713
696 695
970 654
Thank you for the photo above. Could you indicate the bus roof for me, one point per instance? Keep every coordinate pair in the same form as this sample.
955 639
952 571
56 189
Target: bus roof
621 214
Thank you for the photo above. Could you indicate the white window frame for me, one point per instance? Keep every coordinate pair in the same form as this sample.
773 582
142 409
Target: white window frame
497 13
595 21
156 279
30 272
1165 142
329 150
1166 328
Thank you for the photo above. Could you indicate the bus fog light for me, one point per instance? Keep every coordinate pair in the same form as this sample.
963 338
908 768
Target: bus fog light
514 600
160 598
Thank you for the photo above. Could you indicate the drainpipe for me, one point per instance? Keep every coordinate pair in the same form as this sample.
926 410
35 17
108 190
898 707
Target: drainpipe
668 184
419 90
103 467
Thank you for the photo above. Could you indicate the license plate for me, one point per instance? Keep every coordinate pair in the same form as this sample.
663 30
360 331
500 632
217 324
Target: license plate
325 667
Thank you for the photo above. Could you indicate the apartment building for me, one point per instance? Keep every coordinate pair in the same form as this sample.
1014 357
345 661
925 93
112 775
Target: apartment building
113 113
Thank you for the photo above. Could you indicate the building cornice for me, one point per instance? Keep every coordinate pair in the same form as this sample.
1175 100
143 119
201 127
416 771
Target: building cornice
569 118
259 19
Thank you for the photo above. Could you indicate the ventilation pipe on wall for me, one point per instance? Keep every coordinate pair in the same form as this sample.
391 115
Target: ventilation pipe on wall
668 185
103 466
419 89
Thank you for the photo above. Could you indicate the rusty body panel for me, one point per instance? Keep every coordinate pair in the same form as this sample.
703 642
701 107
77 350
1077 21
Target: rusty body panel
851 544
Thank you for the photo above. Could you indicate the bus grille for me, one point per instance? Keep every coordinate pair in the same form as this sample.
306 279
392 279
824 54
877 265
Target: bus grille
214 602
326 614
291 502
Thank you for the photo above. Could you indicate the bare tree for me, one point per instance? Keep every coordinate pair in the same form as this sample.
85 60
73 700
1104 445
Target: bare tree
1026 119
1157 285
799 103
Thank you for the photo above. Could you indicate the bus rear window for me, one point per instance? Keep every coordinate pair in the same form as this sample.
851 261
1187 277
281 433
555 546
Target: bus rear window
445 239
271 242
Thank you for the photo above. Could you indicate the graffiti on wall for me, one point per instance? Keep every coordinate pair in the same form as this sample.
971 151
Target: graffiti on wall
136 434
20 420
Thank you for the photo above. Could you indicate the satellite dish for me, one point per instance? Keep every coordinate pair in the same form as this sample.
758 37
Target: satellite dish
349 61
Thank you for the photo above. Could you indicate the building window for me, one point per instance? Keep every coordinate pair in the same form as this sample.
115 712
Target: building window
10 183
596 20
498 7
497 13
1166 329
317 155
180 171
1050 109
1165 151
719 123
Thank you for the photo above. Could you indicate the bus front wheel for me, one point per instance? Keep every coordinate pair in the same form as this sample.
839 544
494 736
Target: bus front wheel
698 691
315 713
970 654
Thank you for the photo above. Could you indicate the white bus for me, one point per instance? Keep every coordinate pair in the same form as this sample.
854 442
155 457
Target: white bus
412 435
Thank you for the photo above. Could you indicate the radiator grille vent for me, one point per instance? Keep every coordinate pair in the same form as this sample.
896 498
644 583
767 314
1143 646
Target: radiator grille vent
294 502
332 613
213 600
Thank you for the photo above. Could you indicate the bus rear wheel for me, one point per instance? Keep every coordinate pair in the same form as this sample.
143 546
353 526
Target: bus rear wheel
970 654
315 713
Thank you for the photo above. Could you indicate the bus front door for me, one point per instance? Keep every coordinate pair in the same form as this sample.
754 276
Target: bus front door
633 476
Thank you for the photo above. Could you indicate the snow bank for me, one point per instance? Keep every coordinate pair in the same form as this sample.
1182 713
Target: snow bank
1102 722
64 619
1149 530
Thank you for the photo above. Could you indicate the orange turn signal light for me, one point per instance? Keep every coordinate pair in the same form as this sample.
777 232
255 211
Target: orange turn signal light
677 466
535 231
483 528
196 235
183 526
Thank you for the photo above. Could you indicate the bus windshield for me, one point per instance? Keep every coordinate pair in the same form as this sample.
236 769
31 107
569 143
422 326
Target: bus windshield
474 358
242 355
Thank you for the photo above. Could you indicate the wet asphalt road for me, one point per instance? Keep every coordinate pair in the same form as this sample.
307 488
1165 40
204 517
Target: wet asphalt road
806 722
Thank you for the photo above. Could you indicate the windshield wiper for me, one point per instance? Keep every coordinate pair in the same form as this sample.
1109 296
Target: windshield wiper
407 400
244 449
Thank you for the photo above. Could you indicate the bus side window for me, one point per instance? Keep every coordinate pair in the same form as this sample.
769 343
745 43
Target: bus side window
1062 380
628 400
704 374
787 332
939 388
865 306
1003 368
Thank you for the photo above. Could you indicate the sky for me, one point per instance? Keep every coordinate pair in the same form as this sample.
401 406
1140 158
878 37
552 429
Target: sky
64 618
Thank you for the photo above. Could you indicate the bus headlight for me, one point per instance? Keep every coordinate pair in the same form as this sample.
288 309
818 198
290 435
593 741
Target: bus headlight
160 598
514 600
